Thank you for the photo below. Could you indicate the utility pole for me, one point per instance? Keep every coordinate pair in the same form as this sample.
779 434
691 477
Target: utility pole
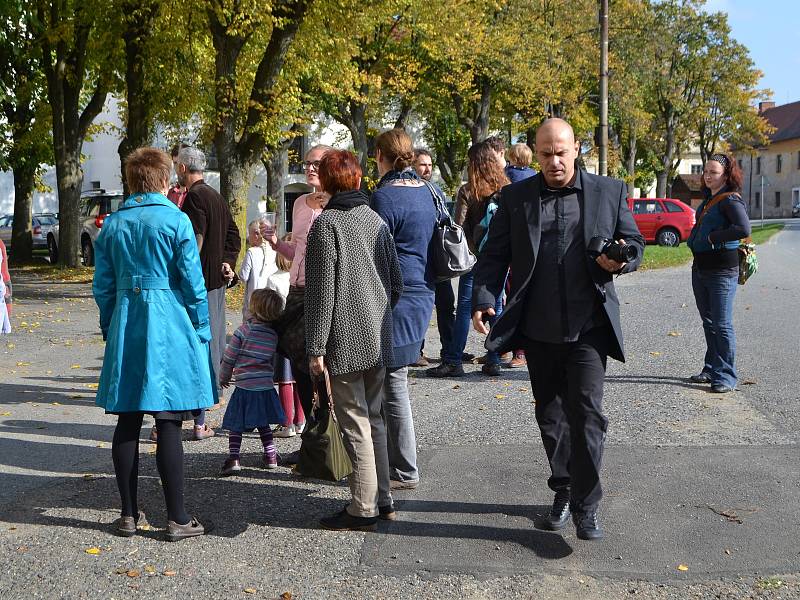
603 137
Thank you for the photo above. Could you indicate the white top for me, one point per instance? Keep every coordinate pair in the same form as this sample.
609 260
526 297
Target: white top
279 281
257 266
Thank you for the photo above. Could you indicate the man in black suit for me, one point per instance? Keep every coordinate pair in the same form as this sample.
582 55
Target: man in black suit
562 309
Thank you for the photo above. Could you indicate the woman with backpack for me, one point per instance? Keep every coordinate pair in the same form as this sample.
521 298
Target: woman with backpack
721 222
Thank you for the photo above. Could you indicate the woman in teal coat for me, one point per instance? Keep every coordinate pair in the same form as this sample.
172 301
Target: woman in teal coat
149 287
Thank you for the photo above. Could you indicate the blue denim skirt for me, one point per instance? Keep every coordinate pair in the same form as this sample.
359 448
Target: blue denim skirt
250 409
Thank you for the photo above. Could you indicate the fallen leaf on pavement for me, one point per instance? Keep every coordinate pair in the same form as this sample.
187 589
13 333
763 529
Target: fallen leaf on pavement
683 568
150 569
133 573
748 382
5 414
249 590
94 550
727 551
286 596
169 573
523 389
482 407
94 386
75 367
674 334
730 514
655 354
121 571
499 396
23 364
56 403
456 387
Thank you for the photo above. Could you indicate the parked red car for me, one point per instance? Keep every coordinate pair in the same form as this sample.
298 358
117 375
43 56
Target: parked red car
665 221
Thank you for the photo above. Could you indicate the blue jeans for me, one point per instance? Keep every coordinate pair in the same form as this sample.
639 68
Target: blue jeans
401 441
714 291
463 323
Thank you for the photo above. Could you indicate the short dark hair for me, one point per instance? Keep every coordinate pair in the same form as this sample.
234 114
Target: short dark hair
422 152
496 143
339 171
147 170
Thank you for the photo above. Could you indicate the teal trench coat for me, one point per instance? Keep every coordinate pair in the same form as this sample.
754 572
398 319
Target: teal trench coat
149 287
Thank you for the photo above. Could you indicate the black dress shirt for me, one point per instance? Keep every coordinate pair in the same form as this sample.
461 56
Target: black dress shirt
562 300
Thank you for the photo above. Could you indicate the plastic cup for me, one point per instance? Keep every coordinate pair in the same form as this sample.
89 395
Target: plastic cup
266 221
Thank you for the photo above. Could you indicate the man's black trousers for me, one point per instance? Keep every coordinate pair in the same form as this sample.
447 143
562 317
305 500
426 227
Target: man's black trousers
567 381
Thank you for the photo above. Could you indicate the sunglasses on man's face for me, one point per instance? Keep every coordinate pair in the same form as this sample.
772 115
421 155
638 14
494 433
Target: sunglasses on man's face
307 165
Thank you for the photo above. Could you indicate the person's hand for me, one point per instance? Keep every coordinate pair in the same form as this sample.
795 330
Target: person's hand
478 320
316 365
609 265
224 384
267 232
227 272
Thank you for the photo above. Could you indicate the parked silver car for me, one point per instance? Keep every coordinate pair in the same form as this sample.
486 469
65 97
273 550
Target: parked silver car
41 225
94 208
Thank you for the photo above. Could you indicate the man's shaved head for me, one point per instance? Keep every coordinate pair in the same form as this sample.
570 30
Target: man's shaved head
556 151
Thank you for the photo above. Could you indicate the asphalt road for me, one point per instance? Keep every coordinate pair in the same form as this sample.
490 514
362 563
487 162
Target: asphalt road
692 479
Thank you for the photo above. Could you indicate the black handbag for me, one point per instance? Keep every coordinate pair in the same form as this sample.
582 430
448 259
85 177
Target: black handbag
291 330
450 255
322 452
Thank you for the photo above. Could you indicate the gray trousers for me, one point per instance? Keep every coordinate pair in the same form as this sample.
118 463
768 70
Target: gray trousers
401 438
357 402
216 318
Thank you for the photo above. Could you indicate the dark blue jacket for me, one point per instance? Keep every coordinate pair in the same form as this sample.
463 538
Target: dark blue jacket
411 216
721 227
515 173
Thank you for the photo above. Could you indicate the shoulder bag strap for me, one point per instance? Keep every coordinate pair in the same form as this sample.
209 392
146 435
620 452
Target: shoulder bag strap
712 203
438 202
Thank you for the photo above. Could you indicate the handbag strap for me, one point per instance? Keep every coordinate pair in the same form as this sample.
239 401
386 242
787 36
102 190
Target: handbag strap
713 202
441 209
315 384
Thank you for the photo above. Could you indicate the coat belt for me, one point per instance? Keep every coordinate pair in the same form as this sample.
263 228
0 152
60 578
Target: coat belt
137 283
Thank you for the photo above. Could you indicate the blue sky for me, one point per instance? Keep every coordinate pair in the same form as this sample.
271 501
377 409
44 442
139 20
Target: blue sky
771 30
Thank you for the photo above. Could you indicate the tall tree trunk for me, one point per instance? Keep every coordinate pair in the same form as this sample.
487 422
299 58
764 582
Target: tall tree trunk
357 124
403 114
631 163
277 166
65 69
21 240
139 120
480 129
662 180
530 138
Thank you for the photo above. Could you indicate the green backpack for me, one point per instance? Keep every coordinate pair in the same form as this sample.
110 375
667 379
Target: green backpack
748 261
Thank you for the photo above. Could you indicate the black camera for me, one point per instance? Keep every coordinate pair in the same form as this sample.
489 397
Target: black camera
614 251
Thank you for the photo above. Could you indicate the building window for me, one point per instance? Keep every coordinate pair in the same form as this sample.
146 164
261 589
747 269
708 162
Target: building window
758 165
778 163
777 199
758 199
697 169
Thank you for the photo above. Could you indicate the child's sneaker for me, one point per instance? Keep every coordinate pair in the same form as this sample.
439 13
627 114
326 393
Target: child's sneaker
299 428
230 467
270 457
284 431
202 432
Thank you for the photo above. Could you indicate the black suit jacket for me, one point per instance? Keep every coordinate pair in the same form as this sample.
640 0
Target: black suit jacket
514 236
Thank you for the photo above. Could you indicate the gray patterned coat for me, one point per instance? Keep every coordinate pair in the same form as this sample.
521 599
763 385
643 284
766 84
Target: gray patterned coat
353 280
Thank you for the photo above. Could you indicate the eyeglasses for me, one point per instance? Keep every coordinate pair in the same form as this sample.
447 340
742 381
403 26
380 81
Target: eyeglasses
311 163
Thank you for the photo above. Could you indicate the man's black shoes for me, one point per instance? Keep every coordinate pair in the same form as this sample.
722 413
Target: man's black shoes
703 377
559 514
586 527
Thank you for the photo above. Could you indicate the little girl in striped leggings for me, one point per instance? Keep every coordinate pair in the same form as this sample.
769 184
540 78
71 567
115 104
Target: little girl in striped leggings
248 360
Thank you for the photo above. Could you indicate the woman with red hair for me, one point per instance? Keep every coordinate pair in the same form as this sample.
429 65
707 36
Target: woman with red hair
353 280
721 222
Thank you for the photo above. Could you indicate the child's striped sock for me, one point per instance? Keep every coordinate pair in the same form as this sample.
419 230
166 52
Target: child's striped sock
234 443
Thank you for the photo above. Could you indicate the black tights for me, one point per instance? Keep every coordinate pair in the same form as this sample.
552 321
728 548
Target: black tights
169 460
